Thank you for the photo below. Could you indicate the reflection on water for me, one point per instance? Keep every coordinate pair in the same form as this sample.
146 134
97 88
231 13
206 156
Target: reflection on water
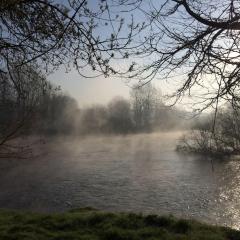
139 173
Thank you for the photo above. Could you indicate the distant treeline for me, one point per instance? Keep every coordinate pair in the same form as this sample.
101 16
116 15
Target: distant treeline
143 112
29 104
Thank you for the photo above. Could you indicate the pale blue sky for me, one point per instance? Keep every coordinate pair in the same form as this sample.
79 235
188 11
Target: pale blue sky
89 91
92 90
101 90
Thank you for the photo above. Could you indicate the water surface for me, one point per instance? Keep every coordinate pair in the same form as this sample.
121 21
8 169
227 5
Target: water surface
140 173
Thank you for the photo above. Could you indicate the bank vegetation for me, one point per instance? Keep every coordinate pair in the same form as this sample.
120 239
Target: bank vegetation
89 224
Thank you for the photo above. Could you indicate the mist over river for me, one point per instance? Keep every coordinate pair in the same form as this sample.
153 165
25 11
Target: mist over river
139 173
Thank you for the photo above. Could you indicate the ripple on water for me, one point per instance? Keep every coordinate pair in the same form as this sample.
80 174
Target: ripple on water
139 173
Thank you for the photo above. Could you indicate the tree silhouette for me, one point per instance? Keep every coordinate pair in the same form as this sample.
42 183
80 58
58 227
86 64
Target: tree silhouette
37 37
195 42
70 33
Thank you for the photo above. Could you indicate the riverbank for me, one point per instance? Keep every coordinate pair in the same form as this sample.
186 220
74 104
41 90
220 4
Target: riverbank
90 224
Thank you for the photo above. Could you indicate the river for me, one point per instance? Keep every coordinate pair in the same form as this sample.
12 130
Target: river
139 173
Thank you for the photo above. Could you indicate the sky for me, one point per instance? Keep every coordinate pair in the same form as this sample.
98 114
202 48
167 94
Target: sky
91 91
88 91
101 90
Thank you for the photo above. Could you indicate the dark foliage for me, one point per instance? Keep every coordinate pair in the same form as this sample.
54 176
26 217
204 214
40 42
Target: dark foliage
91 225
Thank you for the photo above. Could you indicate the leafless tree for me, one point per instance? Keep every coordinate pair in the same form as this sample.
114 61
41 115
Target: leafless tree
225 140
144 100
195 44
120 116
94 120
56 113
41 35
20 96
75 33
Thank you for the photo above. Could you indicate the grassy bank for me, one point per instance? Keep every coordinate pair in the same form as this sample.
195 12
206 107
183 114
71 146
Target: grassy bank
88 224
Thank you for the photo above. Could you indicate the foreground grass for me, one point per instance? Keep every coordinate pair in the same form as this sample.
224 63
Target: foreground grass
89 224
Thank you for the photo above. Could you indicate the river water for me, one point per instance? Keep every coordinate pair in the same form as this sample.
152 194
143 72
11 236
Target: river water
140 173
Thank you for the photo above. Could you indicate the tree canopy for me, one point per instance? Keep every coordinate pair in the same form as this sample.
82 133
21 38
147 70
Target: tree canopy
193 43
52 33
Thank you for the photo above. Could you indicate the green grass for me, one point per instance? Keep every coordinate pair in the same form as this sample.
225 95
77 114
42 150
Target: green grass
90 224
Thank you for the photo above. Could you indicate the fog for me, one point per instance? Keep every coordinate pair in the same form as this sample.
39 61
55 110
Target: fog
144 111
136 172
118 156
43 109
112 106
